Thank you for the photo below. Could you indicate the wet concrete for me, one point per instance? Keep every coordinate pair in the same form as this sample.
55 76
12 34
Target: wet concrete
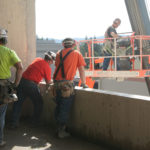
43 138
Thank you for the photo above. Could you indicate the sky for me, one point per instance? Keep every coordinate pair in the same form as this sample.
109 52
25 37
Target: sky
59 19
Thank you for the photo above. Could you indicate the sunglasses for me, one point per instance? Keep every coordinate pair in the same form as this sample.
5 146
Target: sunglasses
117 23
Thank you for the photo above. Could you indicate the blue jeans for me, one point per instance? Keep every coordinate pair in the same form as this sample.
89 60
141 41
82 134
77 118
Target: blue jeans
107 61
28 89
63 107
3 109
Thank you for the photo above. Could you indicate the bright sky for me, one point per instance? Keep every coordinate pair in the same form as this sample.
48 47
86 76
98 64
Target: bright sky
79 18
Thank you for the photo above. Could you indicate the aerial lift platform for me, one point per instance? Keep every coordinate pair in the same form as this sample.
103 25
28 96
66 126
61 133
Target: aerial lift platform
130 52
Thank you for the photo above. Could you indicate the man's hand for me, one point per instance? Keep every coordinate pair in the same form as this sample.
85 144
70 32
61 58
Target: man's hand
48 87
14 86
84 85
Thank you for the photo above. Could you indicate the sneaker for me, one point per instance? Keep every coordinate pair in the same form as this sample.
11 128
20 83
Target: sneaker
3 143
63 134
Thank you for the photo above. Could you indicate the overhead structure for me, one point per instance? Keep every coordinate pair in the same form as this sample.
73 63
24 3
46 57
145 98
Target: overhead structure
139 19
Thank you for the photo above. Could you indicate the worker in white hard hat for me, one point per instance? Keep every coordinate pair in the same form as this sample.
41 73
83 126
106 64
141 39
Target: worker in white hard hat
39 69
8 58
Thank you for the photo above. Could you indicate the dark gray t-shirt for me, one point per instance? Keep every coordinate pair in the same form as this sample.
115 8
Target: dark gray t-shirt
109 30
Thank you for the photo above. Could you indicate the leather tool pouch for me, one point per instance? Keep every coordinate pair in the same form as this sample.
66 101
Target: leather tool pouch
6 92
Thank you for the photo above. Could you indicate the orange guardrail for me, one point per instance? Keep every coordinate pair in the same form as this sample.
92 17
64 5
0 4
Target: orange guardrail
135 56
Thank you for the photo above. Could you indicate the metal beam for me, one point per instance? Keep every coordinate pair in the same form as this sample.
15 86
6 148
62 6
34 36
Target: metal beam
138 16
140 23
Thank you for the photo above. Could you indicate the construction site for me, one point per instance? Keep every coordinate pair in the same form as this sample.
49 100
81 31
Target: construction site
115 114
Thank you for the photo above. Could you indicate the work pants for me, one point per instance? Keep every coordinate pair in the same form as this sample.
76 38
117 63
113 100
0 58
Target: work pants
28 89
107 61
63 107
3 109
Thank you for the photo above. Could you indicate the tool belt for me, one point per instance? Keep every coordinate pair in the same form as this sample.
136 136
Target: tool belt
7 94
108 47
65 87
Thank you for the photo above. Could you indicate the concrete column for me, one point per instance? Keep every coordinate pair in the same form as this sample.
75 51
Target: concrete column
18 17
138 16
140 23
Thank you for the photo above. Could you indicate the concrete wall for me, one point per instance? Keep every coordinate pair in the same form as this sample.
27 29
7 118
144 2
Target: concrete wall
18 17
115 119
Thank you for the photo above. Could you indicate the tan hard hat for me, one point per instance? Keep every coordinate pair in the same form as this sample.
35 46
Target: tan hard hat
68 41
3 33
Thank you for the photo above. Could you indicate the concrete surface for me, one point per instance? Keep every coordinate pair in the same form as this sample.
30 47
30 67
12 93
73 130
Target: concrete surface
18 17
116 119
43 138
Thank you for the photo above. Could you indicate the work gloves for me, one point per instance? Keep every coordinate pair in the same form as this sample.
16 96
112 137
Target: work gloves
84 85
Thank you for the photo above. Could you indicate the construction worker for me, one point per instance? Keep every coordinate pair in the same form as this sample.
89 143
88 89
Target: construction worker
8 58
67 62
109 44
28 87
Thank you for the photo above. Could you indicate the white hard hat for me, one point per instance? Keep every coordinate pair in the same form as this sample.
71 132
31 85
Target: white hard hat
3 33
51 55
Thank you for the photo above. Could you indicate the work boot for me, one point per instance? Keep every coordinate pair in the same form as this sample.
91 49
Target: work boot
3 143
62 133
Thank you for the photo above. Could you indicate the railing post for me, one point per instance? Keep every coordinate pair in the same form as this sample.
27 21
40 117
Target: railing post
89 50
92 55
133 52
141 53
115 54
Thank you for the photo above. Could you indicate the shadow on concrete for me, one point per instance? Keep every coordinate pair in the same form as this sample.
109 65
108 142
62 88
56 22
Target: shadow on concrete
25 138
43 138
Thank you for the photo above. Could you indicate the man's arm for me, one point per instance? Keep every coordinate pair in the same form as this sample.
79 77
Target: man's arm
114 35
19 69
118 36
82 77
82 74
47 76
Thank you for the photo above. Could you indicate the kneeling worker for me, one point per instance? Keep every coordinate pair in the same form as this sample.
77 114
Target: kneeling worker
28 87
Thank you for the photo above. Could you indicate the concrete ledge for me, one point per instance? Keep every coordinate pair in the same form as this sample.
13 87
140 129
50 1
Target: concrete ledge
116 119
